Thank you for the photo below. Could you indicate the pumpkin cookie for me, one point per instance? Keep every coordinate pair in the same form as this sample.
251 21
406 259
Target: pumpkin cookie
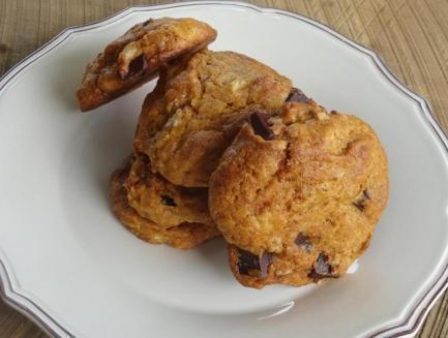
298 194
196 110
182 236
134 58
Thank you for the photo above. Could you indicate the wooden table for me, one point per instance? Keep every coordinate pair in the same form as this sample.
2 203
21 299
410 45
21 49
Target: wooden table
411 35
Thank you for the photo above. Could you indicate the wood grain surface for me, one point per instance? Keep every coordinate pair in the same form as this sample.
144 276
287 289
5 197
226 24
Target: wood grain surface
411 36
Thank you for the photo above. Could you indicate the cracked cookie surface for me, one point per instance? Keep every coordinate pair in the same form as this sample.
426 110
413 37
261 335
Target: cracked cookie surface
135 57
182 236
298 194
196 110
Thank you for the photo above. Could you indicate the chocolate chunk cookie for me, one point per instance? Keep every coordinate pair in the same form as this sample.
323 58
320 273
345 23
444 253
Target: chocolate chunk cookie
134 58
196 110
182 236
298 194
154 198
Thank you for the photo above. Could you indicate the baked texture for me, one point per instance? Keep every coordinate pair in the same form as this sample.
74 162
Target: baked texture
298 194
196 110
135 57
156 199
182 236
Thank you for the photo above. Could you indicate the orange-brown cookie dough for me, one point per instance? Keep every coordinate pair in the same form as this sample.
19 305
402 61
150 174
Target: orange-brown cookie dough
196 110
298 194
154 198
135 57
182 236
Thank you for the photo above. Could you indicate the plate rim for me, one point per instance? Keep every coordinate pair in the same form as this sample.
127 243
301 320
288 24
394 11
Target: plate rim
411 321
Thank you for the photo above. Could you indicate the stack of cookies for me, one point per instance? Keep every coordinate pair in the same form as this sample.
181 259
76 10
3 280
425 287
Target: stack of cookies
227 146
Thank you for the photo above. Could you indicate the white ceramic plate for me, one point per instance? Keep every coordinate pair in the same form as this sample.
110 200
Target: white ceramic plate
67 263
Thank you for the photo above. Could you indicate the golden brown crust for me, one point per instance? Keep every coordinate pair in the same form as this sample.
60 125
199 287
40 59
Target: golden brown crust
154 198
311 194
183 236
189 120
134 58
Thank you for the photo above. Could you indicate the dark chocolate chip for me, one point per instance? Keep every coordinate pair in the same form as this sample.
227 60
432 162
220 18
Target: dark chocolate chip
147 22
259 122
248 263
296 95
303 242
169 201
361 202
321 268
137 65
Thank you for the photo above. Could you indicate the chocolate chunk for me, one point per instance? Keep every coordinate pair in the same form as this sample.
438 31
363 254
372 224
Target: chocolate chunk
259 122
147 22
303 242
169 201
136 66
248 263
296 95
361 202
321 268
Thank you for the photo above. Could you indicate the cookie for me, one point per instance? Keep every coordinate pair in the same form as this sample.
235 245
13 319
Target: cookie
134 58
154 198
182 236
298 194
195 112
